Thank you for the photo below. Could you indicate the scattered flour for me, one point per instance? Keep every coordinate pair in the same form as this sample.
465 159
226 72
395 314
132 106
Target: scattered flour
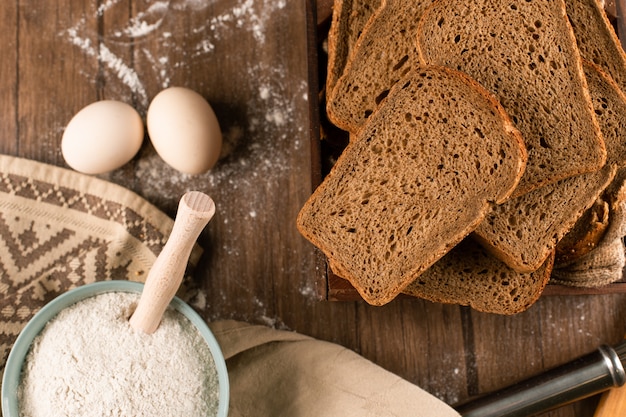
147 22
258 143
161 21
88 361
125 74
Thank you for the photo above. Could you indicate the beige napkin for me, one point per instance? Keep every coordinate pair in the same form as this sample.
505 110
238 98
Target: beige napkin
60 229
277 373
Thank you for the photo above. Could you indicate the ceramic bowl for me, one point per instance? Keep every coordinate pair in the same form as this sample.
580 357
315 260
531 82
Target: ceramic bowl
13 368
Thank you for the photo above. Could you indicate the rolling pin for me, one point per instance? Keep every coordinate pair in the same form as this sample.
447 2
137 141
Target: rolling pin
195 209
581 378
612 403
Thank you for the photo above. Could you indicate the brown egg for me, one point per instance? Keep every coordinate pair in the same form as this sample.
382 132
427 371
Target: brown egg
102 137
184 130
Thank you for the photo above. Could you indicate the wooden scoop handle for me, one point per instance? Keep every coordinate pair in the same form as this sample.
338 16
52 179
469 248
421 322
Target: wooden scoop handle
194 212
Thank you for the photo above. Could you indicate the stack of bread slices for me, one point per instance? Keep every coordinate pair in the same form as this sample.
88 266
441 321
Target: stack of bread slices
480 133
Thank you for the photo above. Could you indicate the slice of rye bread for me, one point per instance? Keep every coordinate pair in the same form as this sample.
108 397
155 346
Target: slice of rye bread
610 106
596 38
525 53
525 230
348 20
383 54
469 275
419 177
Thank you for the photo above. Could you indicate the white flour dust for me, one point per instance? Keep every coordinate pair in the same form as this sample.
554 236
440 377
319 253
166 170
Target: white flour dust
89 361
162 21
147 21
116 65
263 157
267 129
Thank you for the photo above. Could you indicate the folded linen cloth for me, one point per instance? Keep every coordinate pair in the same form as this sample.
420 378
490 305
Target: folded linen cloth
60 229
277 373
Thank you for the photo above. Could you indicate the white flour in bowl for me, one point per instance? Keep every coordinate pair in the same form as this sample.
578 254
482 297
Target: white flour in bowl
88 361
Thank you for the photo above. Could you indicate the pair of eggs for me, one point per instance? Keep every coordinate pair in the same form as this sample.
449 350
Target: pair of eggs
107 134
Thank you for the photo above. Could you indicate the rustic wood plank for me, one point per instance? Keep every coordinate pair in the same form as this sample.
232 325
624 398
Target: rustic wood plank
9 46
254 68
51 85
416 328
324 11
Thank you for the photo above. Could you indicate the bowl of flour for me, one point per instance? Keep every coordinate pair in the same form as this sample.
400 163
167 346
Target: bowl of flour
79 356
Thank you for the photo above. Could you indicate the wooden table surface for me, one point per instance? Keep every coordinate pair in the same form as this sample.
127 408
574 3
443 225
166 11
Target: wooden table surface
249 60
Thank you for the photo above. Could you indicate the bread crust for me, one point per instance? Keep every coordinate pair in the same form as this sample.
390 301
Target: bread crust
382 55
586 234
348 20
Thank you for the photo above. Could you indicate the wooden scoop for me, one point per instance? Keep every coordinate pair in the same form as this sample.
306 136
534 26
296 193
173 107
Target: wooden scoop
194 212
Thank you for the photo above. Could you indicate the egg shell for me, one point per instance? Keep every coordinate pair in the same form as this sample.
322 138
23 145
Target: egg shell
102 137
184 130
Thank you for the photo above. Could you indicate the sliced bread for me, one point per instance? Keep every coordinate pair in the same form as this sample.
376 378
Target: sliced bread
525 230
609 104
420 176
384 53
596 38
348 20
591 229
468 275
525 53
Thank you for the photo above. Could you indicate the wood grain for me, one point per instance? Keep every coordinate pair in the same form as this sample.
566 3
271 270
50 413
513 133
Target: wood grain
262 83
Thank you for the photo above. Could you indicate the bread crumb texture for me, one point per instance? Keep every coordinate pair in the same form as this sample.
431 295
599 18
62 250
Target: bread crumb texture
525 230
596 38
469 275
525 53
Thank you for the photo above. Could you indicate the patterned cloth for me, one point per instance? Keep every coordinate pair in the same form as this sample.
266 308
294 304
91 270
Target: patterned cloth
60 229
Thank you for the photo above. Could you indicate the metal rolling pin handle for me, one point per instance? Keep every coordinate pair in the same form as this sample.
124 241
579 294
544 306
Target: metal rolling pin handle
583 377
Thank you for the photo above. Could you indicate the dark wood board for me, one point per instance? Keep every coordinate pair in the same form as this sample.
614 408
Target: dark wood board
255 64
